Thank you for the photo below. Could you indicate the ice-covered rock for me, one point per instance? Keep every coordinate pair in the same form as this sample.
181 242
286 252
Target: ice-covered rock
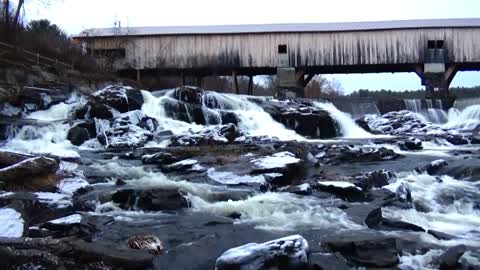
11 223
277 160
104 103
288 253
208 136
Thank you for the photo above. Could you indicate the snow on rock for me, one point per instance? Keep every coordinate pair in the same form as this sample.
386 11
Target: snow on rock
72 219
69 185
277 160
229 178
338 184
54 199
289 252
11 223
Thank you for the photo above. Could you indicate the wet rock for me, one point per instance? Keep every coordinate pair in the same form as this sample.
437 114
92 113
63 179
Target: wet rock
434 166
363 123
10 158
150 243
82 132
189 94
441 235
370 253
208 136
111 255
119 98
30 173
151 200
162 158
303 117
182 165
229 118
376 179
285 253
70 226
375 220
303 189
456 139
411 143
325 261
230 132
344 154
400 225
128 130
403 197
125 137
343 190
136 118
449 259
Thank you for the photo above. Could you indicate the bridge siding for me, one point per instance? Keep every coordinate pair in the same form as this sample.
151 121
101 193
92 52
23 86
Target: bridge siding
305 49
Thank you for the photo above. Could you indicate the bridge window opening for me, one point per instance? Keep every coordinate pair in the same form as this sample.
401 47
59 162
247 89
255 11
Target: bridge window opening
440 44
282 49
436 44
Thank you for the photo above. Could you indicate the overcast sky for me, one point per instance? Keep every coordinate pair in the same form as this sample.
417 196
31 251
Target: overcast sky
76 15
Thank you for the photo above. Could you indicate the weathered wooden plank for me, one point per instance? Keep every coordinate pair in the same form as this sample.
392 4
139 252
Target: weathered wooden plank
383 47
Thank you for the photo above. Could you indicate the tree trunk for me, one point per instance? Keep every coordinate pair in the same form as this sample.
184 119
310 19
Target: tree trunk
7 19
16 18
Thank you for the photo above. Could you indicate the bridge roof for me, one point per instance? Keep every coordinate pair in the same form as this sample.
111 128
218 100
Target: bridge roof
282 28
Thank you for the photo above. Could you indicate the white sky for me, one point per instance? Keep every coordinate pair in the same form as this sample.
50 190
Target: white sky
76 15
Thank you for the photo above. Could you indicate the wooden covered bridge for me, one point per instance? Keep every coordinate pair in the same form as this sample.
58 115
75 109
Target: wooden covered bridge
434 49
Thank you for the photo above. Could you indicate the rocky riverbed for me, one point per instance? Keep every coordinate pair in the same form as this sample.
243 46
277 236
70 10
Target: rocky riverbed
192 179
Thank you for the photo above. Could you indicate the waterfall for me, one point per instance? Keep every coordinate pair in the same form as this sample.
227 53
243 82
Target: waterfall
432 113
253 120
462 104
348 127
467 119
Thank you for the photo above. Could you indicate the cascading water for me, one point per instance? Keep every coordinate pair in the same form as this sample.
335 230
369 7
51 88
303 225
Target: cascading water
441 203
348 127
254 121
467 119
49 135
432 113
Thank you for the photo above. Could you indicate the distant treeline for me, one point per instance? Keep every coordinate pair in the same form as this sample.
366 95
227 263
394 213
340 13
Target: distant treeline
458 92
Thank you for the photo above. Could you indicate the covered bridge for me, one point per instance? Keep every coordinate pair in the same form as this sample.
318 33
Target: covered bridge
434 49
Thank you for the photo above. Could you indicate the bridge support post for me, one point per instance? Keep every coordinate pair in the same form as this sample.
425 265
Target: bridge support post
139 77
292 80
437 79
184 79
235 82
250 85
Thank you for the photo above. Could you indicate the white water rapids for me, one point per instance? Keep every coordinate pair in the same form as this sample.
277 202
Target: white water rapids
445 202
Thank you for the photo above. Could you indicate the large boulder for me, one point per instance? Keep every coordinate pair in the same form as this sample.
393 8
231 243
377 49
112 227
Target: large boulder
303 117
380 253
284 253
82 132
449 259
189 94
119 98
129 130
31 174
151 200
336 154
208 136
376 179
